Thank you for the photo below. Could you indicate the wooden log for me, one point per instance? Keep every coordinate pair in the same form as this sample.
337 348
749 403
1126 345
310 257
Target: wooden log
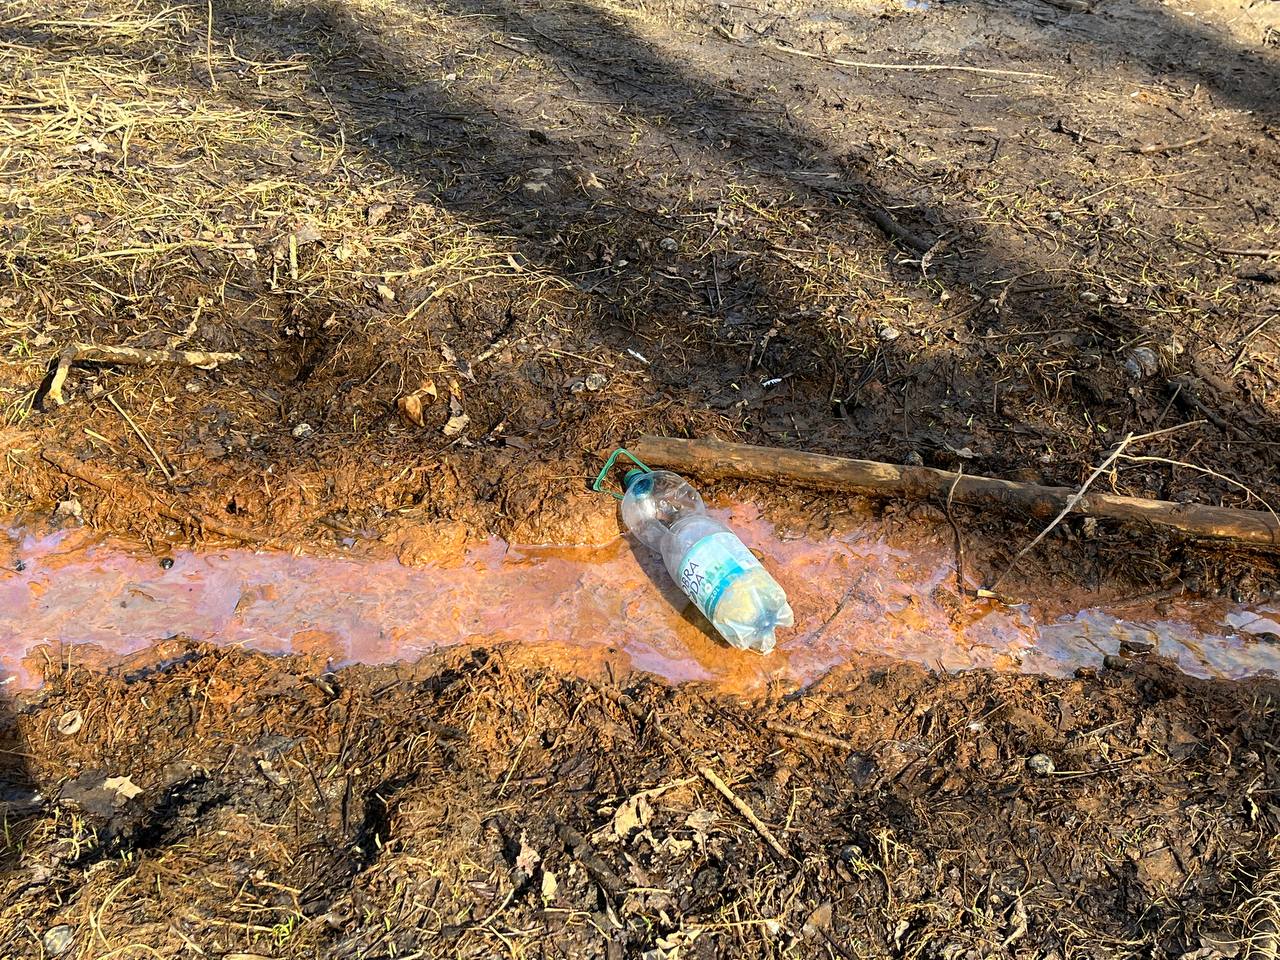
716 458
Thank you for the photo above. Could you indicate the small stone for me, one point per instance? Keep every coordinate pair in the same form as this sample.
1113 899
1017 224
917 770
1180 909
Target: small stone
913 459
456 424
166 563
57 940
20 566
889 333
1136 647
668 244
1041 765
302 431
577 385
1142 362
595 382
1089 296
69 508
193 387
1112 662
69 723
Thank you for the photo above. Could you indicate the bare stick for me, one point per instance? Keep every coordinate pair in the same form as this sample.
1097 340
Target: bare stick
715 458
582 852
741 806
1212 473
1149 148
133 356
1252 252
143 437
955 528
1070 505
801 734
208 47
913 67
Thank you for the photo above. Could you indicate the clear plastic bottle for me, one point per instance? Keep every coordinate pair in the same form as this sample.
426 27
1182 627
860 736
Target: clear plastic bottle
706 558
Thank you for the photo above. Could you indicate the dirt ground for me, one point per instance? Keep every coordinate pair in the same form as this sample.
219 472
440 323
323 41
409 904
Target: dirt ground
570 223
465 248
217 803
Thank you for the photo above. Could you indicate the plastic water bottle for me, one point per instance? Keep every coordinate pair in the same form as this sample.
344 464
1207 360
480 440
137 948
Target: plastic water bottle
711 565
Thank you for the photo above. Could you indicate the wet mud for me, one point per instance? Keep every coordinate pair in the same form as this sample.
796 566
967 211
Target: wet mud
864 592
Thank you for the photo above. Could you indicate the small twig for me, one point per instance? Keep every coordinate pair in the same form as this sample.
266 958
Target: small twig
1187 393
1206 470
1251 252
955 528
913 67
741 806
143 437
801 734
1076 497
208 47
1149 148
134 356
582 852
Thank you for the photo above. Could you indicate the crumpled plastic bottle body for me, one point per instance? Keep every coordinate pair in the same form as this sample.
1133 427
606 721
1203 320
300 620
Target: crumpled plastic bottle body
706 558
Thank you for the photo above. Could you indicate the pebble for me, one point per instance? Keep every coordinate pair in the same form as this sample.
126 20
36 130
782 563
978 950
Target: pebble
596 382
302 431
1138 647
888 333
913 459
57 940
1041 765
69 723
668 244
69 508
1142 362
1112 662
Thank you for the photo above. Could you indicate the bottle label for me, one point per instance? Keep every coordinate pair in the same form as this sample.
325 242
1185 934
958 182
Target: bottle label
711 565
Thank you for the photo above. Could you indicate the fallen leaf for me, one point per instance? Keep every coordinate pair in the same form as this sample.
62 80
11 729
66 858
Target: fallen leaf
549 886
631 816
376 213
456 425
527 859
124 788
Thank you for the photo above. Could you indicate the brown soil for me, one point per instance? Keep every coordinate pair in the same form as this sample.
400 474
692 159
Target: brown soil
478 806
577 222
505 199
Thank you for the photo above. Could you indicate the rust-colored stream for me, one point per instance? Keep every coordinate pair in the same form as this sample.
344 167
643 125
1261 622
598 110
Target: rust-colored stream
862 593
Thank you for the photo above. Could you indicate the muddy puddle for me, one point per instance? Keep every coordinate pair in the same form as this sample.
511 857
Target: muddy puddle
864 593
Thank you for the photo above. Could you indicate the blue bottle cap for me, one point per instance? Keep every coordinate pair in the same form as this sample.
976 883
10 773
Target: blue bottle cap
632 476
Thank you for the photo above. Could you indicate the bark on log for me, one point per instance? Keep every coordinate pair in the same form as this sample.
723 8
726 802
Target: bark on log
716 458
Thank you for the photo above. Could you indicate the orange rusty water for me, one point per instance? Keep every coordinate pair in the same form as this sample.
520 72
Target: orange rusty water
863 593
